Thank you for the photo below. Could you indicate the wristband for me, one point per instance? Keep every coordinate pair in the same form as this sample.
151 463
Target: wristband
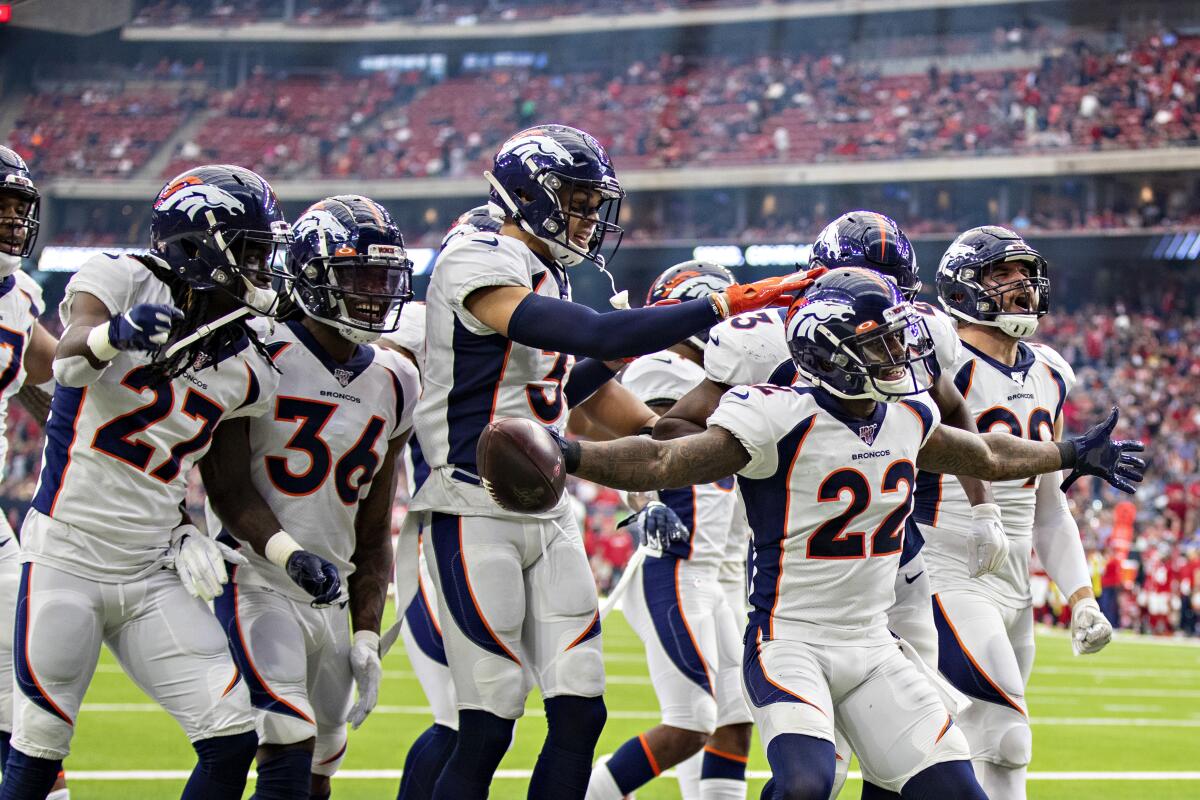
572 453
280 548
1068 454
720 304
99 343
370 638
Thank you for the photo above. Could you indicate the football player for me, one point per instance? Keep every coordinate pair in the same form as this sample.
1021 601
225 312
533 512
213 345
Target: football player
753 349
996 287
26 357
677 606
516 594
323 458
128 420
827 467
421 631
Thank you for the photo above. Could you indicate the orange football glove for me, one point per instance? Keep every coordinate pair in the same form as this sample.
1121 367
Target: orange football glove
777 291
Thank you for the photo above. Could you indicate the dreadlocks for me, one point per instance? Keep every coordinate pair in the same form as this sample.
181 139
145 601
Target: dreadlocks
207 350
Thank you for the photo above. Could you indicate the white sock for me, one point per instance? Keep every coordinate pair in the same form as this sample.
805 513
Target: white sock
688 774
602 785
61 794
722 789
1001 783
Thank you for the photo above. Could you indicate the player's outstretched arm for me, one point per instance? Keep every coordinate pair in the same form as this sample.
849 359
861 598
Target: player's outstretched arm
1004 457
640 464
690 413
613 411
561 326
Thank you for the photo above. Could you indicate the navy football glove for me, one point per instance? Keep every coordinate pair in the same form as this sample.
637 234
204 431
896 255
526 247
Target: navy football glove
570 450
656 526
314 575
1097 454
146 326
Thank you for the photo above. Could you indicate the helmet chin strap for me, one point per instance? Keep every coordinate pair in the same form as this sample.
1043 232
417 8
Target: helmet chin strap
1018 326
8 264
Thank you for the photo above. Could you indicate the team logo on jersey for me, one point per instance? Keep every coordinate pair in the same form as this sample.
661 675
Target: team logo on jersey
343 376
867 433
192 198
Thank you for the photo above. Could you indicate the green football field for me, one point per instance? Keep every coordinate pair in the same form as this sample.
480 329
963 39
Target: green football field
1121 724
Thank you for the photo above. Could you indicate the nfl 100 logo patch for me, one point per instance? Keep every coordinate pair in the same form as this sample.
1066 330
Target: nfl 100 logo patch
867 433
343 376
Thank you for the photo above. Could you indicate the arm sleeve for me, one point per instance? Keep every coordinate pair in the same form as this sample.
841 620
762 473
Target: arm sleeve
586 377
565 327
745 412
1056 538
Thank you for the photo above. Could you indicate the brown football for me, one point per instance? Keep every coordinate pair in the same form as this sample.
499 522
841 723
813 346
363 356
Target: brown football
521 465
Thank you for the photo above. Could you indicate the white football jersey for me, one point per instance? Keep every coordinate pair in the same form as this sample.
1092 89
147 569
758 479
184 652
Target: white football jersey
1025 399
315 452
20 306
746 349
706 509
118 452
826 496
474 374
410 333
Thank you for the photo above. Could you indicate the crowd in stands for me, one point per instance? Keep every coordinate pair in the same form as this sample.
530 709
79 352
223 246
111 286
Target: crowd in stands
666 112
1145 549
359 12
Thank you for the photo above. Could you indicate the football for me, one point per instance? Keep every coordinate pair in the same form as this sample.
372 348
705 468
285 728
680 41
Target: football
521 465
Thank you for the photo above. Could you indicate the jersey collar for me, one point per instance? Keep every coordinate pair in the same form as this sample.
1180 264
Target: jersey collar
1017 371
355 365
830 405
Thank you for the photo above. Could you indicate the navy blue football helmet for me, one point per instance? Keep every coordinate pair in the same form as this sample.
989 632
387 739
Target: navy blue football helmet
19 220
854 335
966 291
350 268
546 177
220 227
487 218
870 240
690 280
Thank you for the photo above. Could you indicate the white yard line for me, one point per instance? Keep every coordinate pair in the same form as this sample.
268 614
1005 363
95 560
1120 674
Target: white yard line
524 774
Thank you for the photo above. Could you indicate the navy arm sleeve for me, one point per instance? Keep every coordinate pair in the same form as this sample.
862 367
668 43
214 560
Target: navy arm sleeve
586 378
565 327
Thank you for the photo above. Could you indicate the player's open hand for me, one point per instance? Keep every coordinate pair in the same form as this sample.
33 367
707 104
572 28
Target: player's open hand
146 326
777 291
314 575
656 526
368 672
1097 454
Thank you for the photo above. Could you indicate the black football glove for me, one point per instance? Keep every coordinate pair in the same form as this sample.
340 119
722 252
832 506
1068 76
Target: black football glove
1097 454
657 526
314 575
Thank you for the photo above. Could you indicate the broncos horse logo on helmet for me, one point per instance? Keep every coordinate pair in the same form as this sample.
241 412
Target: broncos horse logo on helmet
965 291
219 227
20 207
350 267
548 176
869 240
690 280
854 335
